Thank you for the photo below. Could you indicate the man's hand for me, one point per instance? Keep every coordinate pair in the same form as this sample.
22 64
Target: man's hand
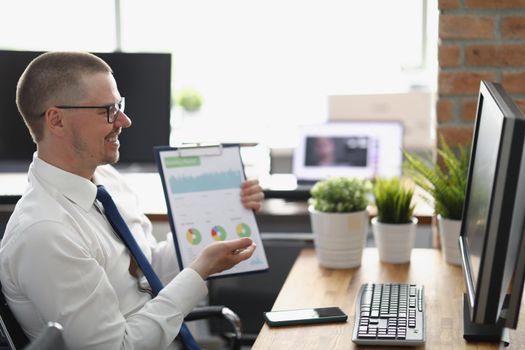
252 195
220 256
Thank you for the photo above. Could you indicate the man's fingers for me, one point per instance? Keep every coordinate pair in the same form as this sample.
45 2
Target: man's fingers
250 187
244 253
257 196
240 243
249 183
257 206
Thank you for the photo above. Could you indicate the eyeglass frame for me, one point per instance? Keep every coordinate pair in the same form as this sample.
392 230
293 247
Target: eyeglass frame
119 107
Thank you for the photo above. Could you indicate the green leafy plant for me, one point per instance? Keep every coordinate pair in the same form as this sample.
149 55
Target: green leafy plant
446 183
340 195
190 100
393 200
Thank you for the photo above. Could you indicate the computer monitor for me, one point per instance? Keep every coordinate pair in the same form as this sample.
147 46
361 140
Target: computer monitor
492 228
363 149
143 78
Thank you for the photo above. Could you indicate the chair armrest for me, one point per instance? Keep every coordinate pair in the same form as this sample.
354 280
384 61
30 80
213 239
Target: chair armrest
50 339
202 312
218 311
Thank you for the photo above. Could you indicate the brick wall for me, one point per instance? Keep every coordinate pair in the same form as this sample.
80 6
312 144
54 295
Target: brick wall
479 40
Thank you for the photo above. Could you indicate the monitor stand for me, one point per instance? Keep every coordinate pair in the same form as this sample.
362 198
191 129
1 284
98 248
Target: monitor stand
481 332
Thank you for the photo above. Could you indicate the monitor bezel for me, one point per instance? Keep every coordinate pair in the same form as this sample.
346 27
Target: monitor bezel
486 295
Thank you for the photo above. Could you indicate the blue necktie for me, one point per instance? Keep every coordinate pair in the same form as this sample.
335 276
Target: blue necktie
120 227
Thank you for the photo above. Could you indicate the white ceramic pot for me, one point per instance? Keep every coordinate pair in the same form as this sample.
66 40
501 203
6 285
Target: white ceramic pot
449 234
339 238
394 241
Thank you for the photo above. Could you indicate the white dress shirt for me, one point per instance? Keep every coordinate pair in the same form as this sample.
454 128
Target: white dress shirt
61 261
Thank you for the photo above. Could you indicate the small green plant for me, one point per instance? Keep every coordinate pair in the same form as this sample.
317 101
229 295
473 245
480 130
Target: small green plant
190 100
393 200
340 195
446 184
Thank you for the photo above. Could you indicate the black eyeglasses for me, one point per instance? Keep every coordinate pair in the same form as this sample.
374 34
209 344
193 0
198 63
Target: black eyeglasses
112 110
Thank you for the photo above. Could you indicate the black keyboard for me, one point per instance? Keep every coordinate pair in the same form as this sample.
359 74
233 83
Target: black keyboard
390 314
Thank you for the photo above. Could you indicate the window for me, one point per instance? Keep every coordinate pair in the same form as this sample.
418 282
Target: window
262 66
57 25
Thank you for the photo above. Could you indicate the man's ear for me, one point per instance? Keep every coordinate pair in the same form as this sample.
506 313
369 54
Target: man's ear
54 121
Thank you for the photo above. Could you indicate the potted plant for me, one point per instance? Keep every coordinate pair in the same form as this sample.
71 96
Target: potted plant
189 100
339 217
446 183
394 227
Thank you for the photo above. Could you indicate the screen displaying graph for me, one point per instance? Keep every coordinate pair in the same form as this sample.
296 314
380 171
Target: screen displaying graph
205 182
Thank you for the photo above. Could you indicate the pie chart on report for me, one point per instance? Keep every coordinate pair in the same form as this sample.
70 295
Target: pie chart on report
243 230
193 236
218 233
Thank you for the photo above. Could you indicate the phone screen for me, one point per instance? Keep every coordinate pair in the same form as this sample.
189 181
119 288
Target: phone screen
313 315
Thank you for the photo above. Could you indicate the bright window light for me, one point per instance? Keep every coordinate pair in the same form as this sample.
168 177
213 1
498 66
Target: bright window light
37 25
262 66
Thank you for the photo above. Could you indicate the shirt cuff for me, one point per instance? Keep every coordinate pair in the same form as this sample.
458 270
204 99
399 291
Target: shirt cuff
189 287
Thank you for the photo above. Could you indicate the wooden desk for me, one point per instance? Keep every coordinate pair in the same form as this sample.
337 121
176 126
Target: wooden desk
309 285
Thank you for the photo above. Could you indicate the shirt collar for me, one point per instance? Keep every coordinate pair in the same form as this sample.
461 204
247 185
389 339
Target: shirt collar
76 188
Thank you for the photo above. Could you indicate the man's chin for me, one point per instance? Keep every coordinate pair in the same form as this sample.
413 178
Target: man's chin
113 159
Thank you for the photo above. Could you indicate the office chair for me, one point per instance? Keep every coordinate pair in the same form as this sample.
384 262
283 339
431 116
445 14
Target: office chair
13 334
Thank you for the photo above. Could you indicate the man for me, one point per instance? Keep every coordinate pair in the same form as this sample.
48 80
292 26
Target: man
60 259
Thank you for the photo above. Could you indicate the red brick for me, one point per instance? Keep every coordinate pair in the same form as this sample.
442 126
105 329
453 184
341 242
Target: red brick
456 135
466 27
448 4
494 4
468 110
448 55
513 27
495 55
453 83
514 82
444 111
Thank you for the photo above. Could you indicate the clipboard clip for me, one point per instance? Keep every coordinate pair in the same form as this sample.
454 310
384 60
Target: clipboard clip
199 149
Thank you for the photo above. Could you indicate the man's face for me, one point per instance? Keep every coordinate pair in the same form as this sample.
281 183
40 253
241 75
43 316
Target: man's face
94 141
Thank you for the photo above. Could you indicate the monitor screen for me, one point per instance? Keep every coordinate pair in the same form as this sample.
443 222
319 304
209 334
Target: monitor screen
361 149
481 186
143 78
492 225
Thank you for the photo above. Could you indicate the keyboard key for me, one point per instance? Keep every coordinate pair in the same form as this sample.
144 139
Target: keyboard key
365 336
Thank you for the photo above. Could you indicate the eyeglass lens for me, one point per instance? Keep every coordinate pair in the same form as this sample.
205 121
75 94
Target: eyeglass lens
113 110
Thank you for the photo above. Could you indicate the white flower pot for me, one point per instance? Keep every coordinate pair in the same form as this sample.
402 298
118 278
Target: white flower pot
394 241
339 238
449 234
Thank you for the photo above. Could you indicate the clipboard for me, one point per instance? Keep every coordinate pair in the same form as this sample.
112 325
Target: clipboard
201 184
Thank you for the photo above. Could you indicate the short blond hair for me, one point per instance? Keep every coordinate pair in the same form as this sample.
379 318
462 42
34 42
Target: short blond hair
53 78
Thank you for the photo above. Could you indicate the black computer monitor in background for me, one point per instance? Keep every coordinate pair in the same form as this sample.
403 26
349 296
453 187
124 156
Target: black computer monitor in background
143 78
493 217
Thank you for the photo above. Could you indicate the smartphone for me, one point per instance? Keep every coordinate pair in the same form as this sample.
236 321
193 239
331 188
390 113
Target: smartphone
305 316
